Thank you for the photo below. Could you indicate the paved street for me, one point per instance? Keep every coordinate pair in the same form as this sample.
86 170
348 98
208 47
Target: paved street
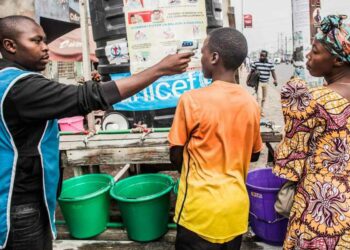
273 107
272 110
273 113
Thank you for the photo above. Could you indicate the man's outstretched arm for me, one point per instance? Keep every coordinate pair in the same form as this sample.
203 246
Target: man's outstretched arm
170 65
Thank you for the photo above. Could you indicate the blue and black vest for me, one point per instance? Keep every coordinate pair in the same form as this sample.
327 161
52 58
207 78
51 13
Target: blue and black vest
48 150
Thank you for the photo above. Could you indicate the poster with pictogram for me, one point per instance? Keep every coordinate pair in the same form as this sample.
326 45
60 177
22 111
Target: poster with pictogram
156 27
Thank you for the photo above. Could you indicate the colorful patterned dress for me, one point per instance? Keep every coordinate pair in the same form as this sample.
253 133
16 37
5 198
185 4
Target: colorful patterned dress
316 152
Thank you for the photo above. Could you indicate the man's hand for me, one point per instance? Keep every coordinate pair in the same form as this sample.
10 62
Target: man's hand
95 76
275 83
174 64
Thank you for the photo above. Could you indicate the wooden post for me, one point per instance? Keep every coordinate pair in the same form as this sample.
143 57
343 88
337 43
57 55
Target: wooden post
232 24
86 54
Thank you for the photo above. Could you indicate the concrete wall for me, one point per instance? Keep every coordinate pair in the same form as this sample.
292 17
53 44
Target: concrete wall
17 7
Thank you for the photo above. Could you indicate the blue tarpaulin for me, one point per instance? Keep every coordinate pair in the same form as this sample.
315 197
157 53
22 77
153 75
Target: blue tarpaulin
163 93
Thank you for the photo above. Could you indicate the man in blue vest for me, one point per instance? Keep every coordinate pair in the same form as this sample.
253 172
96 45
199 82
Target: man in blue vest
30 105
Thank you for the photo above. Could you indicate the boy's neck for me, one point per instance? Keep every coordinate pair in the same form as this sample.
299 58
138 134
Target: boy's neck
224 75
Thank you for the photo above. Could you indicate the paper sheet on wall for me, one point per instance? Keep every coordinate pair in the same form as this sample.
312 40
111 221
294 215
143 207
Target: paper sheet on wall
155 28
305 23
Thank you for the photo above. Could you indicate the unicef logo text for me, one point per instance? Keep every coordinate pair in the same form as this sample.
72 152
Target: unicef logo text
163 93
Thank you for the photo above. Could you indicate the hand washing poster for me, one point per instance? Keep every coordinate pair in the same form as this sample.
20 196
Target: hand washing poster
306 22
155 28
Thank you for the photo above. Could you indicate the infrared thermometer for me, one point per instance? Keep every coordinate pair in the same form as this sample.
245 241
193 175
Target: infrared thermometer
187 46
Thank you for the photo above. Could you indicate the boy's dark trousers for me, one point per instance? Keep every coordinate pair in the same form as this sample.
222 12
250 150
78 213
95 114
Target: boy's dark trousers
188 240
30 228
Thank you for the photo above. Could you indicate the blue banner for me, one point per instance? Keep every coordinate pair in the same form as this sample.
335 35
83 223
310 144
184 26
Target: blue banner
163 93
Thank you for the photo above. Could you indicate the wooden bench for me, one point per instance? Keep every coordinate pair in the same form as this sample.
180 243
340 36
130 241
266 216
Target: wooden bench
79 151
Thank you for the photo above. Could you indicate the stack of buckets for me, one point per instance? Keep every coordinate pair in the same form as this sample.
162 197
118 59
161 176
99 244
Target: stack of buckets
144 202
265 222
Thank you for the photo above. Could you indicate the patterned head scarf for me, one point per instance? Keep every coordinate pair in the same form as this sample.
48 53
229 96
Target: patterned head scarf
335 36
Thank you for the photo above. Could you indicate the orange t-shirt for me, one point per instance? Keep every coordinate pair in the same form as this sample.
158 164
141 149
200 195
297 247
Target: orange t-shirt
219 126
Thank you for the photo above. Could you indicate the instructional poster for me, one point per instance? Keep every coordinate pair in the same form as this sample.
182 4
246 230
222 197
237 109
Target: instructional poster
306 21
315 17
155 28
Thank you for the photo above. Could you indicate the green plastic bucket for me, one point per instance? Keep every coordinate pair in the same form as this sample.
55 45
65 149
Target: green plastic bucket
144 203
85 203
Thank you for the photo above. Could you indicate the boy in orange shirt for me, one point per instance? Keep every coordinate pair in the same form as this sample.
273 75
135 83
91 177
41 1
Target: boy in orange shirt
214 136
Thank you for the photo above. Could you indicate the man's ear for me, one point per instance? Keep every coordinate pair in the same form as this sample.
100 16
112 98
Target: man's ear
9 45
215 58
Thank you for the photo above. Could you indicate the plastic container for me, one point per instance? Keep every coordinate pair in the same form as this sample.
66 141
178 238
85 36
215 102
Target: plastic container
72 124
85 204
144 203
266 223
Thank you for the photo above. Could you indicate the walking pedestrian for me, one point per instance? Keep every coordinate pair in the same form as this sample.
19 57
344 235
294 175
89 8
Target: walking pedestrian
266 69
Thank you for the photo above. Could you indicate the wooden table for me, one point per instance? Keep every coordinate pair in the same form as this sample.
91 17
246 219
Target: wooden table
116 149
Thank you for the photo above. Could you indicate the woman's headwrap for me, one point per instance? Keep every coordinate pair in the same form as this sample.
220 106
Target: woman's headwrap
335 36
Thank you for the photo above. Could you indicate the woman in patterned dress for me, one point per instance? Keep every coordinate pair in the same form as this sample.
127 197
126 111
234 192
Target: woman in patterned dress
315 151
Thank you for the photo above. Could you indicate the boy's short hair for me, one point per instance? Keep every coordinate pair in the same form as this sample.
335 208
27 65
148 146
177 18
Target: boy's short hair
230 44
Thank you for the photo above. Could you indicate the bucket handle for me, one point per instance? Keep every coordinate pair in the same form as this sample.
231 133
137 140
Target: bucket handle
121 172
267 221
83 196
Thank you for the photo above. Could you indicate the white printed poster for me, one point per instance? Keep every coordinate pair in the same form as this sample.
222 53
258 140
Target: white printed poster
155 28
306 20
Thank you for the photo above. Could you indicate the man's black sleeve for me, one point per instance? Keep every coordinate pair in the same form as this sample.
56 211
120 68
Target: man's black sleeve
37 98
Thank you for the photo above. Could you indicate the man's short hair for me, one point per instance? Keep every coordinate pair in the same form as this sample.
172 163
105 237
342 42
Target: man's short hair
264 51
9 26
231 46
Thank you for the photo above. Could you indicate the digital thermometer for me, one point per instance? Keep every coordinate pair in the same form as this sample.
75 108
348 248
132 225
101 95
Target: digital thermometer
187 46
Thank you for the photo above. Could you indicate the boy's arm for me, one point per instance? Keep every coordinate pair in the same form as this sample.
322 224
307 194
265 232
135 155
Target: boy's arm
255 157
258 143
176 156
180 133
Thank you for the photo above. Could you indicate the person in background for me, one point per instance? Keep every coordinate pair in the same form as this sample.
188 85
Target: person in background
30 104
214 136
315 152
265 68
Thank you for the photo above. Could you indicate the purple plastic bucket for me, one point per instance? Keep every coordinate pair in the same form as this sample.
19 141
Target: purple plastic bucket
263 187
